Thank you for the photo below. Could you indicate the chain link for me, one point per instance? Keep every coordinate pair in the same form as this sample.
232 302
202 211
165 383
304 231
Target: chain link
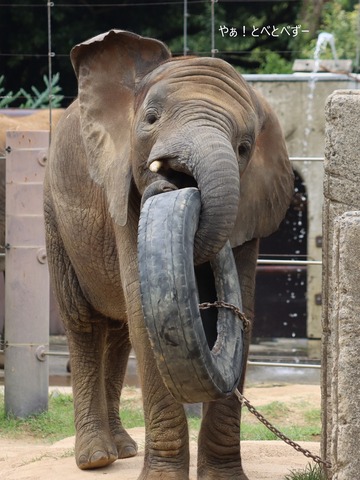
245 401
220 304
284 438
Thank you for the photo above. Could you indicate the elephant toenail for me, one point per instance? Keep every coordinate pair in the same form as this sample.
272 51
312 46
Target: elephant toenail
129 451
98 459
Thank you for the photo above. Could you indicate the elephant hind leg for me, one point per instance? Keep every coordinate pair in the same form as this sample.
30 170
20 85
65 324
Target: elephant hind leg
116 357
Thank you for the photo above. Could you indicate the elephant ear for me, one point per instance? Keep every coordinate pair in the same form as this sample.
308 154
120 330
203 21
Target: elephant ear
108 68
267 184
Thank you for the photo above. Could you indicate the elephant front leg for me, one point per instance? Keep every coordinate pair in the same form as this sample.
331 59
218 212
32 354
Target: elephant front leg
219 442
167 438
94 446
219 455
166 430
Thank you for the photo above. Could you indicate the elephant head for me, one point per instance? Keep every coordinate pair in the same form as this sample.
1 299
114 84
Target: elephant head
164 123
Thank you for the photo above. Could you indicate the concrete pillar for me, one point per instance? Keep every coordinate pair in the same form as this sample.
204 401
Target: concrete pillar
27 278
345 330
341 194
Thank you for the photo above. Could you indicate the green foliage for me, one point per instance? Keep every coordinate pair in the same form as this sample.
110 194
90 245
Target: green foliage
271 62
343 25
311 472
246 48
341 18
35 99
7 98
24 56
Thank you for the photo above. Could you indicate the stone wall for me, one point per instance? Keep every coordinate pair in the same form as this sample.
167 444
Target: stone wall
341 286
299 101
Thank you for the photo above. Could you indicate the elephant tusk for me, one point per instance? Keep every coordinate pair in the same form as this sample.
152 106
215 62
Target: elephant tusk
155 166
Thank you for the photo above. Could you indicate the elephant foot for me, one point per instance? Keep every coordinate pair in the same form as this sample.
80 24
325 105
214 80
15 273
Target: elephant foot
97 459
164 469
126 446
93 453
220 466
163 475
223 473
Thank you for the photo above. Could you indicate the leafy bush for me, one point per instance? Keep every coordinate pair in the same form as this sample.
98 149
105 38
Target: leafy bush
35 99
342 21
271 62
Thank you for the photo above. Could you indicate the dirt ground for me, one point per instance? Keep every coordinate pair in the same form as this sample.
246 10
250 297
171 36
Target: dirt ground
27 460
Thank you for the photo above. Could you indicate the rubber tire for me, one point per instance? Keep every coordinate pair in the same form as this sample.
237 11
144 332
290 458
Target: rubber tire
190 370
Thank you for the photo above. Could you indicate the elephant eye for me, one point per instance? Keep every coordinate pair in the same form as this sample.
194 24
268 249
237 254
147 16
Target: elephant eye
151 118
243 149
245 146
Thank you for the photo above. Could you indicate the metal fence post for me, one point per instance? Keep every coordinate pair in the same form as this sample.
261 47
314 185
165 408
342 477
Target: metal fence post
27 278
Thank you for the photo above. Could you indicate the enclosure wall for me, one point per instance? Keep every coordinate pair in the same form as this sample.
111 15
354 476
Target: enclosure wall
341 285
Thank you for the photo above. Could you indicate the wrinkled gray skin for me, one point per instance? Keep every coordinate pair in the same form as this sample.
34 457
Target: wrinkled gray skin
144 123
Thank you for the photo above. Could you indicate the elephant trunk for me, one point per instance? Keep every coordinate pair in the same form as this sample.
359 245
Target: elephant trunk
209 162
217 175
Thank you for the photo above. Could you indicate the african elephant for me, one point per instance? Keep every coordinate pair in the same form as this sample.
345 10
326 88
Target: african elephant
146 123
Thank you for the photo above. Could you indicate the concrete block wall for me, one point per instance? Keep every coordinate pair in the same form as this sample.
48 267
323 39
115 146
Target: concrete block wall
341 285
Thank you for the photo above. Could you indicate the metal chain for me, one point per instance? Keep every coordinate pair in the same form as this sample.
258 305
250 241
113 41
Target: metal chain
245 401
220 304
284 438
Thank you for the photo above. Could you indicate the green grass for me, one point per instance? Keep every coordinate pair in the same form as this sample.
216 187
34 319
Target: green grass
301 422
311 472
53 425
58 422
131 415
